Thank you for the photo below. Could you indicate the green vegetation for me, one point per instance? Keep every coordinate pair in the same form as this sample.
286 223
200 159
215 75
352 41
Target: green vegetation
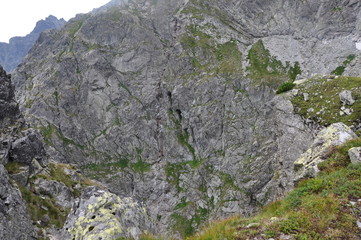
341 69
14 167
39 207
140 166
284 87
266 69
324 105
102 170
207 56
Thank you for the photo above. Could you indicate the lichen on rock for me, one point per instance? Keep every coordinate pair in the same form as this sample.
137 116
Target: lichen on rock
332 136
100 214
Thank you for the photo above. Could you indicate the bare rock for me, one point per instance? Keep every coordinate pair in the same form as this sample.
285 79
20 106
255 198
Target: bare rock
355 155
346 97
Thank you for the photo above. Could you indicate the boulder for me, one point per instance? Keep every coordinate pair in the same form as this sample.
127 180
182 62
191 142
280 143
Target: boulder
355 155
100 214
346 97
334 135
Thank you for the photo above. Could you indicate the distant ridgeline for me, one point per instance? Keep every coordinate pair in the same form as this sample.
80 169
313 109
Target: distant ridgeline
12 53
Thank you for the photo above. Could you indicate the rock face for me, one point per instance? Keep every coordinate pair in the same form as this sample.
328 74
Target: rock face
103 215
12 53
9 109
173 102
333 136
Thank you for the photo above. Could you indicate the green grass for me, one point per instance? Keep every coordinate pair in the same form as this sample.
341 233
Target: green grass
267 69
14 167
36 204
325 102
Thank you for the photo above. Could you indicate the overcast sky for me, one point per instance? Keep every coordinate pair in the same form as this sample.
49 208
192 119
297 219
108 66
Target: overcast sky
18 17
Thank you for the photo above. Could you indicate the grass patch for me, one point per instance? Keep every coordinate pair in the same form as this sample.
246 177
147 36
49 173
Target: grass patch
14 167
324 105
38 207
267 69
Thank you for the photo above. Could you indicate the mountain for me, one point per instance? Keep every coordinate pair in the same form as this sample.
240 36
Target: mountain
12 53
174 104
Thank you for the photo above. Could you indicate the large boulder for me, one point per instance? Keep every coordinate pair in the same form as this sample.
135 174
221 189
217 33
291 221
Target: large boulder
332 136
100 214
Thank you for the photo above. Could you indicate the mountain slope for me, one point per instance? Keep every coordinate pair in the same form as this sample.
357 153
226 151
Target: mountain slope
12 53
173 102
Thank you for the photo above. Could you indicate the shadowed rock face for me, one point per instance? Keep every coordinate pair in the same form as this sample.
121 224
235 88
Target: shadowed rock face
172 102
12 53
9 109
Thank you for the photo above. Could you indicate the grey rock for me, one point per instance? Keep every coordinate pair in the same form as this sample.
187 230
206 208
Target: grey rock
335 135
23 175
346 97
355 155
15 222
58 190
26 149
101 214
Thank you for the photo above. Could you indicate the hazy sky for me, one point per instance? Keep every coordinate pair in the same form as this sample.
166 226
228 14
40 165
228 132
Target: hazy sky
18 17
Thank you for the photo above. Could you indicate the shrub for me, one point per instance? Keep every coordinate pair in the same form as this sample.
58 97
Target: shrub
284 87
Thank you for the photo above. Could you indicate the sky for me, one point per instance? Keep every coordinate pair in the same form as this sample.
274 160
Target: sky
19 17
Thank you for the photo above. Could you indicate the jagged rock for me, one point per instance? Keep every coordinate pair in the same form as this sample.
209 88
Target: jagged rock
355 155
9 110
12 53
346 97
100 214
28 148
332 136
58 190
15 222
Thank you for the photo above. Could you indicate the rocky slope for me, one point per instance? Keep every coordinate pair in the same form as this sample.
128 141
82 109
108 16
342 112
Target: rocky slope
12 53
173 102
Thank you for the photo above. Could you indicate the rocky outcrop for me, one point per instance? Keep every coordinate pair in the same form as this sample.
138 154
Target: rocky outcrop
100 214
9 110
12 53
335 135
173 102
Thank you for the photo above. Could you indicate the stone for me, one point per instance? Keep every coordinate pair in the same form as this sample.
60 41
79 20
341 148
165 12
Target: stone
22 176
355 155
346 97
253 225
332 136
100 214
305 96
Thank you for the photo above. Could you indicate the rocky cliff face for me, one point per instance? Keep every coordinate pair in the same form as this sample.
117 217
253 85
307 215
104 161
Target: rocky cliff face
12 53
173 102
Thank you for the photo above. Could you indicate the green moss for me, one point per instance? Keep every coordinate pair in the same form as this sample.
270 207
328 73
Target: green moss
140 166
102 170
325 102
14 167
29 103
266 69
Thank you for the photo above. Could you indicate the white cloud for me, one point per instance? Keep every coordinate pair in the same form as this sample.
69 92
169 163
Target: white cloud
18 17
